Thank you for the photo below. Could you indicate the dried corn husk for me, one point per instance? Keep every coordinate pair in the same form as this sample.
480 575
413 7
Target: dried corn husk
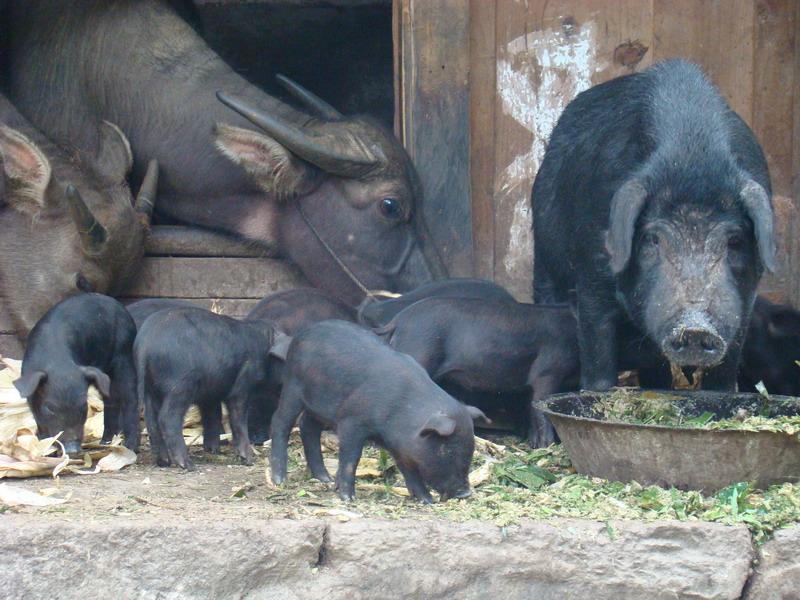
11 495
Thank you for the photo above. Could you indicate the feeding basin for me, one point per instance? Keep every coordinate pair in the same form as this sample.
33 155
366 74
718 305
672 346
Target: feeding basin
686 455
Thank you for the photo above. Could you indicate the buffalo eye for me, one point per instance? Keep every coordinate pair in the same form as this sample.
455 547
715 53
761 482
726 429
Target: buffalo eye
391 209
83 284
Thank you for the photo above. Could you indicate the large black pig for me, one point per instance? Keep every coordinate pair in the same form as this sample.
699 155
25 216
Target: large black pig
188 356
85 339
771 349
374 313
482 345
653 204
342 376
291 311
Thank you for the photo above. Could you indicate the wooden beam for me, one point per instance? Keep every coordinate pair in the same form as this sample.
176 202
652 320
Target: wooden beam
190 277
434 73
172 240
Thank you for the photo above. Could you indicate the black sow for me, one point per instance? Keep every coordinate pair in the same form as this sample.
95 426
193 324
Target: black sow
653 205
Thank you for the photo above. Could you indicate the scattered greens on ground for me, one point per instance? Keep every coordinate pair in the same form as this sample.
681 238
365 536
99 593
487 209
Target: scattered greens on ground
659 408
512 482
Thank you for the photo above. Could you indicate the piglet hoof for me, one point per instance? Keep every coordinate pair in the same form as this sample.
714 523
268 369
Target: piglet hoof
211 449
278 478
246 460
106 439
325 478
347 496
185 464
163 462
541 438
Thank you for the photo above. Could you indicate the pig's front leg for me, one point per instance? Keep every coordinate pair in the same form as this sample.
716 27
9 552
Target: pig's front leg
211 418
416 487
123 390
237 409
597 340
289 408
310 433
351 444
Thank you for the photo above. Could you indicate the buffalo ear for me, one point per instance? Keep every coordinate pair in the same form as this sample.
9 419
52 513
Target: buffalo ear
29 383
784 322
25 166
274 168
759 209
114 158
439 424
477 414
626 206
99 379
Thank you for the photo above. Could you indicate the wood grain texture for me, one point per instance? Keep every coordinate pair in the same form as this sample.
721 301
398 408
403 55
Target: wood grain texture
434 49
188 277
548 52
483 59
716 34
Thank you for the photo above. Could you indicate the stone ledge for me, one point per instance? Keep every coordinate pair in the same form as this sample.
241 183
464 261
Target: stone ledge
155 557
777 573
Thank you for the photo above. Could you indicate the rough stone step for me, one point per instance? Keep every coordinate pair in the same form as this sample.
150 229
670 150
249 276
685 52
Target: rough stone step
151 556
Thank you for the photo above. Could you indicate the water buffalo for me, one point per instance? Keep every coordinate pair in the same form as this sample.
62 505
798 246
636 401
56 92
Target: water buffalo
68 221
336 194
667 193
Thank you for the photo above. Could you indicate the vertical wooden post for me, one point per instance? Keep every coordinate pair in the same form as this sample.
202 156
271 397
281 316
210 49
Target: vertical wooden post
432 91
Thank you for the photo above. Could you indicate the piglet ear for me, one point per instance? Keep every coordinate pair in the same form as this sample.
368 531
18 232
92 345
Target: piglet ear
439 424
99 379
759 209
271 165
29 382
280 345
477 413
626 206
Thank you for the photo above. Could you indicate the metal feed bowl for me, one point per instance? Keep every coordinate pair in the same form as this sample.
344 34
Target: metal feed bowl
685 458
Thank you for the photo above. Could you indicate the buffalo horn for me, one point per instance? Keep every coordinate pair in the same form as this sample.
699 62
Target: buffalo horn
336 151
93 235
309 100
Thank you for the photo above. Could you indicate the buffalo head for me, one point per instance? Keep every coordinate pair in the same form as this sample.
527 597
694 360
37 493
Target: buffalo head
347 195
70 223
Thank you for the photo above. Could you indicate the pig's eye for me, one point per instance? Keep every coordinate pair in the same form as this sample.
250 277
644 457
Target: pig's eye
83 284
651 239
391 208
736 242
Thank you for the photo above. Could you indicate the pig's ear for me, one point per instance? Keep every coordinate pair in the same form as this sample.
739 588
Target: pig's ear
274 168
114 158
439 424
280 345
99 379
25 166
759 209
29 382
784 322
626 206
477 414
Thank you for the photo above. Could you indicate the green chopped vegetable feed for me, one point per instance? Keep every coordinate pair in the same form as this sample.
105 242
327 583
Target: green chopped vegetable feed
518 483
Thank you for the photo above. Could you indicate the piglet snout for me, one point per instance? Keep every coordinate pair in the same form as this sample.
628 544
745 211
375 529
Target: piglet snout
460 495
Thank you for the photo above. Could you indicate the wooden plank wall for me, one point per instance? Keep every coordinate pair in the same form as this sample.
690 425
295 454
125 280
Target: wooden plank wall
431 73
212 270
529 59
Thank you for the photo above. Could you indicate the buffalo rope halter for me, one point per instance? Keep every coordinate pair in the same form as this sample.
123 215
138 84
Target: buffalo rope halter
346 270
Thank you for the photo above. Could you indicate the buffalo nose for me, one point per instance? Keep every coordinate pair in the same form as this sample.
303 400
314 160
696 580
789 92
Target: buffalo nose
72 447
696 347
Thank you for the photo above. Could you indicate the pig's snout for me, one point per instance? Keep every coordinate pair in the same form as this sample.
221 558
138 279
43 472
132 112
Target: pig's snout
695 342
72 447
460 494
